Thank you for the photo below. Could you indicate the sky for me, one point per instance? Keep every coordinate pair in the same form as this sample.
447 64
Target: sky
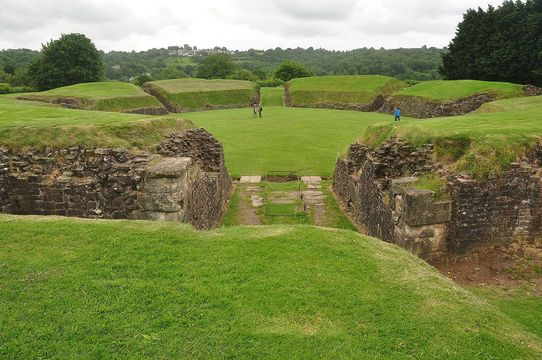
236 24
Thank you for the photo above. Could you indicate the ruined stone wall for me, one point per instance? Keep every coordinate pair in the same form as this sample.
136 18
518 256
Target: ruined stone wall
376 188
118 184
497 211
424 108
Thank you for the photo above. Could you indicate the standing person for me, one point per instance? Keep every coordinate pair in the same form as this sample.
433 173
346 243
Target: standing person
254 110
260 109
397 113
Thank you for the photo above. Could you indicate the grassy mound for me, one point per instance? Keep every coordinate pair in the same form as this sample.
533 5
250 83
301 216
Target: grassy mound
484 142
108 289
359 89
103 96
33 124
451 90
181 95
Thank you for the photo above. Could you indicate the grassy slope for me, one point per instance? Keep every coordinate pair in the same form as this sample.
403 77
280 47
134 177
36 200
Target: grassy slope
108 289
103 96
98 90
285 138
24 123
358 89
482 142
449 90
194 85
520 304
201 93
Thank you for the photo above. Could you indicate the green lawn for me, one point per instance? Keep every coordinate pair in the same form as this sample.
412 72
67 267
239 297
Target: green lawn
480 143
127 289
352 89
520 304
307 140
195 85
35 124
449 90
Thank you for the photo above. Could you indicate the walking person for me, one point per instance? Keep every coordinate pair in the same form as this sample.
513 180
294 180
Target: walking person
260 109
254 110
397 114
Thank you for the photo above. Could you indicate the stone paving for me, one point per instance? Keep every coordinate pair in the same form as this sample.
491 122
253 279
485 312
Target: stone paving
251 179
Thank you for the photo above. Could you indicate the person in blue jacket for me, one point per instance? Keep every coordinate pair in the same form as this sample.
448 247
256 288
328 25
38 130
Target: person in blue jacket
397 114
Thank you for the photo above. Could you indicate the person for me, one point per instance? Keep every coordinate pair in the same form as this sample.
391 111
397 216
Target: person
254 109
397 113
260 109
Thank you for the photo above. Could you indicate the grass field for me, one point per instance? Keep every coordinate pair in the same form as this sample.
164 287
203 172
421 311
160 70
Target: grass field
124 289
479 143
35 124
308 140
102 96
449 90
358 89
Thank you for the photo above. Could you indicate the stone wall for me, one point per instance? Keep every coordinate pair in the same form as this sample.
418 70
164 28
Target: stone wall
425 108
118 184
377 189
497 211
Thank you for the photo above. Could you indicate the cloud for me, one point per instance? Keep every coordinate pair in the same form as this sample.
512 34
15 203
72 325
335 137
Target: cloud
237 24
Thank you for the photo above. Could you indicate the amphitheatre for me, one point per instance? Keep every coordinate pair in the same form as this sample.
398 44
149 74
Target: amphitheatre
256 242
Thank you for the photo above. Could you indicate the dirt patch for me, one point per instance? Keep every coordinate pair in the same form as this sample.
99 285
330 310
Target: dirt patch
281 178
508 266
247 213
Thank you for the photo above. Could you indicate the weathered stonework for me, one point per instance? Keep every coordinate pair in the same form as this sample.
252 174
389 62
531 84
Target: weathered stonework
186 186
498 211
424 108
375 188
373 185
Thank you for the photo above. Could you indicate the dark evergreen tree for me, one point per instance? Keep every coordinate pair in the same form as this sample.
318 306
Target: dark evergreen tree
503 44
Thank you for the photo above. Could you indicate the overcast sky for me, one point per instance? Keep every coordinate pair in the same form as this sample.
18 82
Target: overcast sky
236 24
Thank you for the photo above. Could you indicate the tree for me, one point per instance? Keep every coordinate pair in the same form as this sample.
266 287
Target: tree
502 44
289 70
216 66
72 59
173 71
142 79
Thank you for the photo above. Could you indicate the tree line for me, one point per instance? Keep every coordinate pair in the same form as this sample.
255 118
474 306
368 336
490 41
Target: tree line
22 67
498 44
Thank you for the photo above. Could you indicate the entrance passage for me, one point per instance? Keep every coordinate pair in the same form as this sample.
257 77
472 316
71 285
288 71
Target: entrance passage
285 200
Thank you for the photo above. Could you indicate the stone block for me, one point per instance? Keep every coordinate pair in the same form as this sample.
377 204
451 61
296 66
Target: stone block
420 208
169 168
